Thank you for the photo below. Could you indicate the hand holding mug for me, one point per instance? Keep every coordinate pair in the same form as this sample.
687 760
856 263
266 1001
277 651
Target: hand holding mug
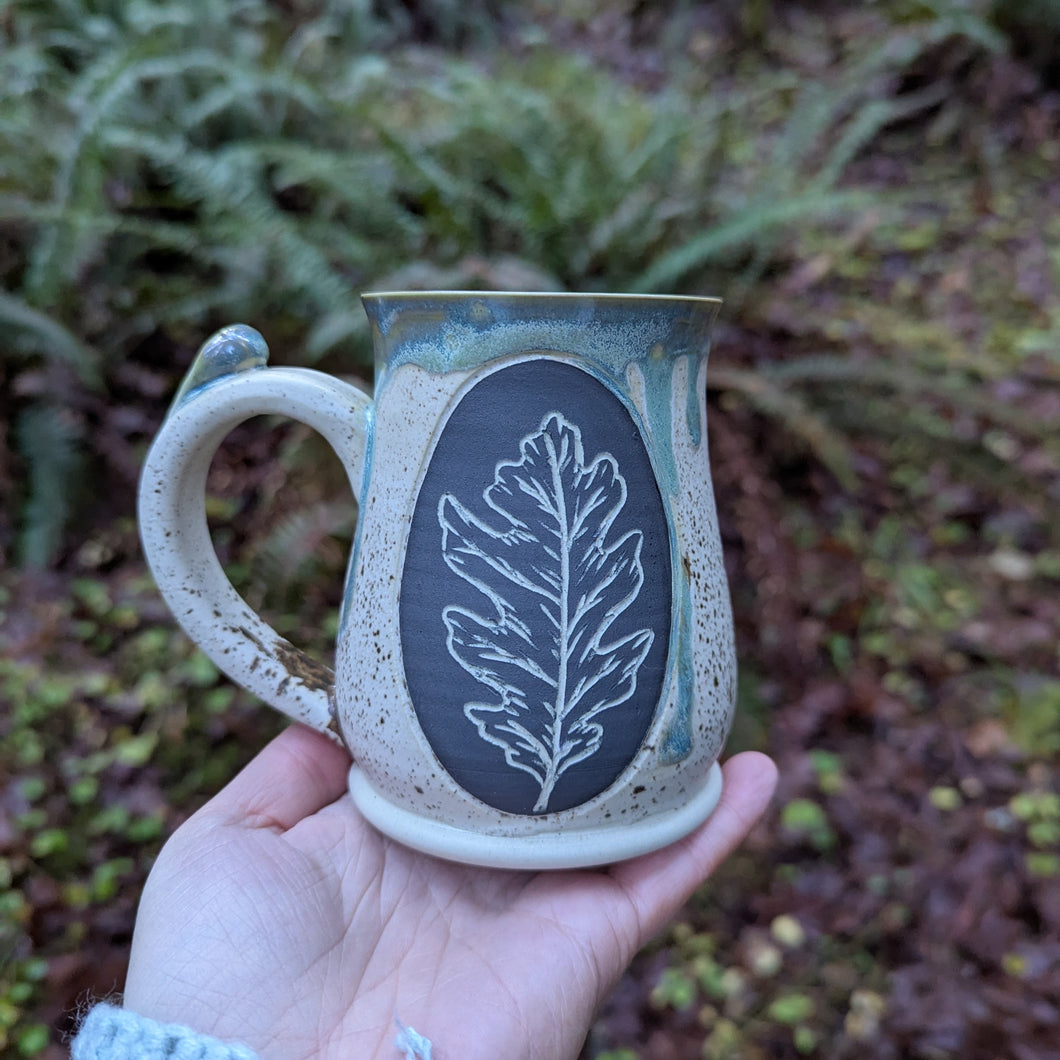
277 917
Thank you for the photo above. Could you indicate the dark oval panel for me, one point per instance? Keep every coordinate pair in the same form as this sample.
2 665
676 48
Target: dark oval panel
536 590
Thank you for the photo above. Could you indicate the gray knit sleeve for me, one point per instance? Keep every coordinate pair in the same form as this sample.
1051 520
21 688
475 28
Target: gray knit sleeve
111 1033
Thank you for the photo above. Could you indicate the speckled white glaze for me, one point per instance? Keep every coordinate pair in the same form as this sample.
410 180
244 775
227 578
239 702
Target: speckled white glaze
423 370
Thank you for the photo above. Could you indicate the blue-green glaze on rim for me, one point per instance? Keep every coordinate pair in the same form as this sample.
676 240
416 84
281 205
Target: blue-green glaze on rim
437 329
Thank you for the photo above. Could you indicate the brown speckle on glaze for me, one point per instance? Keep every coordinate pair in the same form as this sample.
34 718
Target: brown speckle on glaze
302 667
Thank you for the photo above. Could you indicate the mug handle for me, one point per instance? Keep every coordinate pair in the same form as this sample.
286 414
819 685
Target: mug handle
176 538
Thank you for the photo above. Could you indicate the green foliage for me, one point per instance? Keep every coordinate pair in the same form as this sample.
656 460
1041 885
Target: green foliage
302 546
49 438
210 162
1039 812
33 331
791 1009
675 989
944 19
745 991
1033 714
109 705
805 819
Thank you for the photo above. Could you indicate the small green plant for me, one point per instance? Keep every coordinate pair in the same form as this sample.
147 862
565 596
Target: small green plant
807 820
675 989
1039 812
1032 713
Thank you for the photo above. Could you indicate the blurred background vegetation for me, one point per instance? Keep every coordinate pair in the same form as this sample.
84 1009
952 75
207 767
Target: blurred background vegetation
873 190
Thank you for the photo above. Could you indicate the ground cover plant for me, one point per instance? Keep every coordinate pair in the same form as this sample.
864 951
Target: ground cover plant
872 188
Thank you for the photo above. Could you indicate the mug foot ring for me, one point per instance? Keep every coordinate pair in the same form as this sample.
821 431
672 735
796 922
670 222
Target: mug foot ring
567 848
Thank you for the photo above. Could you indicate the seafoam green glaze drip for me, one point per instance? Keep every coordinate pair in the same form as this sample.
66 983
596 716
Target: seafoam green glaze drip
657 370
236 348
660 397
692 411
676 744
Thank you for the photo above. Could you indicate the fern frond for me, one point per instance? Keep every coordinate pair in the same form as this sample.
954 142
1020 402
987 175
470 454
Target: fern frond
253 90
921 378
871 118
100 97
830 446
154 233
228 187
49 440
36 332
305 535
744 228
93 98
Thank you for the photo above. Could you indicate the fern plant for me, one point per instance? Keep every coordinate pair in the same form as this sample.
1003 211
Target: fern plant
207 162
51 439
158 196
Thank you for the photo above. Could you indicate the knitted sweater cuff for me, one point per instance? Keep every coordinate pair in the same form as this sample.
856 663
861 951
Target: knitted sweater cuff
111 1033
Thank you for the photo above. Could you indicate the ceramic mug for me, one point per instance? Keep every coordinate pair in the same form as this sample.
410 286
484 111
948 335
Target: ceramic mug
535 664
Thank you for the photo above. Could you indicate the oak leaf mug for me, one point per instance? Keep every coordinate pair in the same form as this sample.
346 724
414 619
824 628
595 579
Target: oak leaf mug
535 664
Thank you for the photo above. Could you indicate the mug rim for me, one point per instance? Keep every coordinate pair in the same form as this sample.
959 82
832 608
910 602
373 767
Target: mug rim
457 295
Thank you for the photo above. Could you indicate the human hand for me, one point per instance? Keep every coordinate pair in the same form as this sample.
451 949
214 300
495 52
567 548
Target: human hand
278 917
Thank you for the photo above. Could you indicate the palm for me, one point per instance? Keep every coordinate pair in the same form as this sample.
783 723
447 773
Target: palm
290 924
